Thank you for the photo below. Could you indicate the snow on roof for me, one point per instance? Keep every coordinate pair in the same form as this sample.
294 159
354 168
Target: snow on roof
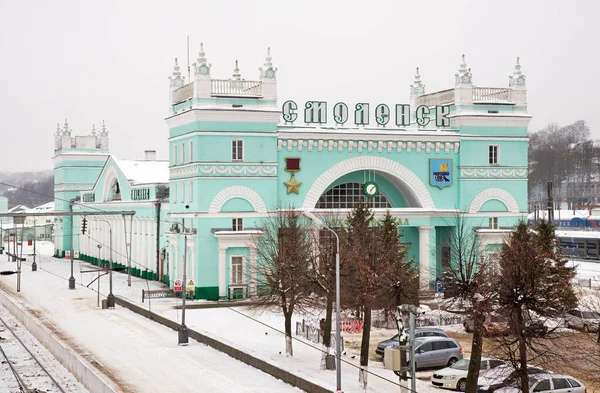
46 207
17 209
144 172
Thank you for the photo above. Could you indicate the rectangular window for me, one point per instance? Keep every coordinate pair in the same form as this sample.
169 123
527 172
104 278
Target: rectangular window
174 193
237 150
237 224
191 191
174 154
493 222
494 154
237 263
183 153
191 151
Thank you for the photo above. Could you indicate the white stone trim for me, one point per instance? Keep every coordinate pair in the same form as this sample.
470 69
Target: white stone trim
111 174
237 192
406 176
494 193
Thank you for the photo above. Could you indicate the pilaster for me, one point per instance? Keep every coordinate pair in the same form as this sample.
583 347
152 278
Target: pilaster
424 259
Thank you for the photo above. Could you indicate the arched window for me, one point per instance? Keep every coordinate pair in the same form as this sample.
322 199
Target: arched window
115 192
348 195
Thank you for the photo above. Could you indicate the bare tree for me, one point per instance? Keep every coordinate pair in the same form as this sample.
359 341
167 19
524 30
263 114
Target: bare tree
533 281
284 254
469 283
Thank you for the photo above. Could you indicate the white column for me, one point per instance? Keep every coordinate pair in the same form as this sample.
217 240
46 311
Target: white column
222 272
252 272
424 253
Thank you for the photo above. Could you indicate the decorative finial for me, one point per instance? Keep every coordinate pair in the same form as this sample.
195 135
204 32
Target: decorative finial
201 55
267 70
417 88
176 72
93 129
517 78
464 76
201 67
104 131
57 128
236 72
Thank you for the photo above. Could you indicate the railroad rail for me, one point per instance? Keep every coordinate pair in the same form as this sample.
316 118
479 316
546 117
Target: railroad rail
31 376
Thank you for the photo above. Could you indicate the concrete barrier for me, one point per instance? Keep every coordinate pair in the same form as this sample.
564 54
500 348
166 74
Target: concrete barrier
235 353
83 371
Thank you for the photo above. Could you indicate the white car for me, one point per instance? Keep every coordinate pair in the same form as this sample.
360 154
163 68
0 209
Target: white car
547 382
455 376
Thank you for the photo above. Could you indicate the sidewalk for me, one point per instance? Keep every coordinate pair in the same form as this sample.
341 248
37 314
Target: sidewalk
142 356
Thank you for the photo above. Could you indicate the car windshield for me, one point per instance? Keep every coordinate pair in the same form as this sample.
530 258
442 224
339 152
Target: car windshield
462 365
590 315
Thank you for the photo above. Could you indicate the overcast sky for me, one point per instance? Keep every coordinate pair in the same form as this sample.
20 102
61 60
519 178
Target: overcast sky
109 60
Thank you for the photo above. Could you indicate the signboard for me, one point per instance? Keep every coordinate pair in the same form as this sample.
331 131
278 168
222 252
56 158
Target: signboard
190 286
316 112
439 287
177 287
76 255
68 254
140 194
89 197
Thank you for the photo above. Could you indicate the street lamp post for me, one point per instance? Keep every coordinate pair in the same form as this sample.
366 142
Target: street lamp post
183 334
338 353
110 298
99 249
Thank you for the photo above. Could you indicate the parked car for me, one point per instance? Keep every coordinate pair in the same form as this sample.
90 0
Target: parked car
588 321
419 332
547 382
493 325
455 376
502 376
436 352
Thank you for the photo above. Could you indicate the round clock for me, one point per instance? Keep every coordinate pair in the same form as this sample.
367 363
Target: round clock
370 189
203 70
270 74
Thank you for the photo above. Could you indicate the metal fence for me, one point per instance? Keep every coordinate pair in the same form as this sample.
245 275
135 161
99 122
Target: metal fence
314 334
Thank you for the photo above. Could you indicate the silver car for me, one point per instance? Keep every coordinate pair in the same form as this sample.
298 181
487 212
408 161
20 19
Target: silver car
588 321
436 352
547 383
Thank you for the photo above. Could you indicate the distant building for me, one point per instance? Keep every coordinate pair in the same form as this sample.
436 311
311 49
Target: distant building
235 152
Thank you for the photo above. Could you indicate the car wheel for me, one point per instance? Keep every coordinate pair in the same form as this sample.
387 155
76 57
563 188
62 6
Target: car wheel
586 328
461 386
451 362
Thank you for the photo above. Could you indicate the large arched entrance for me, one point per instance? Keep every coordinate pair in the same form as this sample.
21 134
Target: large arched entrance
340 188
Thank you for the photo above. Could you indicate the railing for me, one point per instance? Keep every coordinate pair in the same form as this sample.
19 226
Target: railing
314 334
491 94
437 98
183 93
220 87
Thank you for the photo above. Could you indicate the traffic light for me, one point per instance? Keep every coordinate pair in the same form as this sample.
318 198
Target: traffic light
84 225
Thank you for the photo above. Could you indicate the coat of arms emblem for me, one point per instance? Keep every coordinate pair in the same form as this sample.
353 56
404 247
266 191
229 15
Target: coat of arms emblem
440 172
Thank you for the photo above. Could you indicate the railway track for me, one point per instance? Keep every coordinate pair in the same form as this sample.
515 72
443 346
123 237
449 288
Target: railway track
22 367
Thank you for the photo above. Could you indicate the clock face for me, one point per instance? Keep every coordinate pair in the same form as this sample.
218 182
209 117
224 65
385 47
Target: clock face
203 70
370 189
269 73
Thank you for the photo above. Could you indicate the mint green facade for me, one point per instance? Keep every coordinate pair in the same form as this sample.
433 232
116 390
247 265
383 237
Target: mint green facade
236 153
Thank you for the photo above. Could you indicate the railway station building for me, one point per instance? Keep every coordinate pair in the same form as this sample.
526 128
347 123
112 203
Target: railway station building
236 152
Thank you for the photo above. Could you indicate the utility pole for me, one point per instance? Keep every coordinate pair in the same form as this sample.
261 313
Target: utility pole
550 204
183 332
34 265
72 278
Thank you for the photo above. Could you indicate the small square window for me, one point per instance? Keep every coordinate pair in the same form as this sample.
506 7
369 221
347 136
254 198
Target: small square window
493 222
237 224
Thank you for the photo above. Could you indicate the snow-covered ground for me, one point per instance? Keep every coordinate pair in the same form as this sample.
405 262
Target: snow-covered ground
144 356
20 358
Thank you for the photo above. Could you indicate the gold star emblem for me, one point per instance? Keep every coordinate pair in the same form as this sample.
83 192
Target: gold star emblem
292 185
